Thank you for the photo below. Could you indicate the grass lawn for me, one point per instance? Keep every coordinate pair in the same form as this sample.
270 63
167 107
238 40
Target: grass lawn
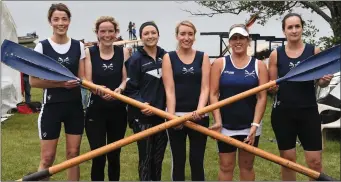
20 153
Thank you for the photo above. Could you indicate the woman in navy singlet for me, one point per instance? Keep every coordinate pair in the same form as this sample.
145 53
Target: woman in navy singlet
106 117
241 120
61 100
294 112
186 79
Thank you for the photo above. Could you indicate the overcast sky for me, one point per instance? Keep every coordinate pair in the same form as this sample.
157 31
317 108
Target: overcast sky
32 16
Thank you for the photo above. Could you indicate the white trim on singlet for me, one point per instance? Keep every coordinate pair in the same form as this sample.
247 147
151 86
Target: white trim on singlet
256 66
240 68
39 121
44 96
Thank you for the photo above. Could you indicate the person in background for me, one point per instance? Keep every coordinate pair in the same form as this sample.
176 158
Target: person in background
130 30
27 88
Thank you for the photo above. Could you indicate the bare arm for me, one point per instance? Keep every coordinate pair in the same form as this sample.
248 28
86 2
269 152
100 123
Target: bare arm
168 81
124 70
40 83
205 82
87 66
261 96
273 70
215 74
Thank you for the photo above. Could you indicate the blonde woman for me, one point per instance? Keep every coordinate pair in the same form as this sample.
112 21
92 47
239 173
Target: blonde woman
186 78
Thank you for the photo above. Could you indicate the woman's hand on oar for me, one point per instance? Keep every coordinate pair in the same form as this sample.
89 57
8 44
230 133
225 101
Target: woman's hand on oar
273 89
325 80
147 111
70 84
217 126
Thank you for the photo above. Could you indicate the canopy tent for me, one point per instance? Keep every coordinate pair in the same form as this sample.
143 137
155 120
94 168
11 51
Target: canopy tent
10 79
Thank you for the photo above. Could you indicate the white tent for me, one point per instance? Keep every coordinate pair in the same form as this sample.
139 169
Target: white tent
10 79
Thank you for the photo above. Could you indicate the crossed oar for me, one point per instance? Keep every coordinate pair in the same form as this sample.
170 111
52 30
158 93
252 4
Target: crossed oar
35 64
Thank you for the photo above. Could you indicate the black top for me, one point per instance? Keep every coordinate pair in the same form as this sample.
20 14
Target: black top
71 61
145 83
294 94
187 81
107 73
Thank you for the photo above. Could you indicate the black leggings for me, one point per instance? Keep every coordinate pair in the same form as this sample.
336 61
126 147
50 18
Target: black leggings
197 145
104 127
151 152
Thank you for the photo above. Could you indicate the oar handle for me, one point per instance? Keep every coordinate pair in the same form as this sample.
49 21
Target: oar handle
36 176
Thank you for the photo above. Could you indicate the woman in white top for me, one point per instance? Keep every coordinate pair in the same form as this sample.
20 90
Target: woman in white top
61 100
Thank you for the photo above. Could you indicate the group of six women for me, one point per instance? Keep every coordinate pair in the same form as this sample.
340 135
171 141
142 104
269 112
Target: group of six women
179 82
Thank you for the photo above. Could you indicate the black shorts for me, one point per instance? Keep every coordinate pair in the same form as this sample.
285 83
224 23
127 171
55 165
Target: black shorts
227 148
53 114
290 123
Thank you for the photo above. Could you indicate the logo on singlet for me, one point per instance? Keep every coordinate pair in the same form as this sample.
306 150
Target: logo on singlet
292 65
190 70
253 74
49 97
110 66
64 61
229 72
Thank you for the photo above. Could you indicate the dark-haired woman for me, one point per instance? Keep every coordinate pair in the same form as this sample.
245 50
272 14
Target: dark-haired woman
61 100
294 112
145 85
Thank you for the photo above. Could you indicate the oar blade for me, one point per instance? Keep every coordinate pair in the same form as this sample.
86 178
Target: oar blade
330 68
34 70
33 63
314 67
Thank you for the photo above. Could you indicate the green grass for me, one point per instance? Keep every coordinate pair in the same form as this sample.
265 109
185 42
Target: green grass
20 152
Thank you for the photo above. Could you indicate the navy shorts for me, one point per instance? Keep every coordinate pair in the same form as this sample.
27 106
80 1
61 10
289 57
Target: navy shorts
290 123
53 114
227 148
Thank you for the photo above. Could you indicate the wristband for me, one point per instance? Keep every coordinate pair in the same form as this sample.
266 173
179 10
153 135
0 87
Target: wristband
255 124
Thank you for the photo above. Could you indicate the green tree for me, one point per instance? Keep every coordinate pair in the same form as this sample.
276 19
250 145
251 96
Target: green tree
330 11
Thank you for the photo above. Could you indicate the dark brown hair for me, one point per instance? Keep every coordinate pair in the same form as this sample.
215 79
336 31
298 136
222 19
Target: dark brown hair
58 7
290 15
